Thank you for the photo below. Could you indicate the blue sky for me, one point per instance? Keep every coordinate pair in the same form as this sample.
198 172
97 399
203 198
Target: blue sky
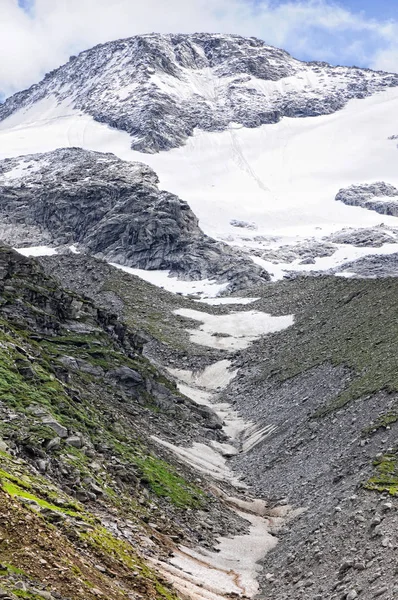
387 9
39 35
26 4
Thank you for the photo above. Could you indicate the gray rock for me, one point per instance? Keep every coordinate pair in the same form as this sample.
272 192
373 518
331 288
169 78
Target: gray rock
373 237
37 411
59 429
114 210
380 197
75 441
42 465
126 377
54 444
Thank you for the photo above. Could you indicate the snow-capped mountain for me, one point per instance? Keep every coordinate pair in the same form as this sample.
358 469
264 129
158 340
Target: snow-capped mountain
159 88
258 143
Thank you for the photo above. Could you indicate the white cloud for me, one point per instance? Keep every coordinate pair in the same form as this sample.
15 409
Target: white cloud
36 43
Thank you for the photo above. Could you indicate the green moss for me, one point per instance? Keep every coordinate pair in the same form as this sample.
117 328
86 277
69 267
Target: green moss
386 478
27 595
164 482
15 490
33 488
382 422
16 390
7 569
101 540
23 483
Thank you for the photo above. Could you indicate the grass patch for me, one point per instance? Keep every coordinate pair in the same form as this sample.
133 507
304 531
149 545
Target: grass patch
107 545
7 569
386 477
165 483
27 595
14 490
30 487
382 422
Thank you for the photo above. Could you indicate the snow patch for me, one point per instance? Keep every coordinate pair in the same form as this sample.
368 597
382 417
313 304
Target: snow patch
232 568
172 284
223 301
37 251
234 331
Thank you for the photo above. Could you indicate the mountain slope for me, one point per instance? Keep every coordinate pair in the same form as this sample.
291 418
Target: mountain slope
216 103
112 209
89 499
159 88
324 392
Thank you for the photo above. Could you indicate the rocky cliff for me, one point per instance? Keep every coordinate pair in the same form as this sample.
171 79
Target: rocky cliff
112 209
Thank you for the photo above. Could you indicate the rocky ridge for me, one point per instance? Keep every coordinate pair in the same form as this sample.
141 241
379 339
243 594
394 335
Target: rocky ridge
114 210
160 88
88 498
380 197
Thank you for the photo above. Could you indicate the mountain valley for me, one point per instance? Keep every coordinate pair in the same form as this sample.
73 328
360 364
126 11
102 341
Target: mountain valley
198 327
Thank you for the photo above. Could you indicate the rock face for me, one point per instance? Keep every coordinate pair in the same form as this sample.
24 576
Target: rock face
373 237
380 197
159 88
112 209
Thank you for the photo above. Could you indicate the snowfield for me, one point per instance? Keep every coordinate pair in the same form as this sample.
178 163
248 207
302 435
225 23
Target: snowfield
280 178
283 177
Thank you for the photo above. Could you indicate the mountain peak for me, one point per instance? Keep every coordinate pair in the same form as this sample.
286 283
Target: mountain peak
159 88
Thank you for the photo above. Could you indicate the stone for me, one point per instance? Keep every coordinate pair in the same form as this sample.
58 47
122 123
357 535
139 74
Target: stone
37 410
127 377
352 594
59 429
380 196
43 594
42 465
54 444
75 441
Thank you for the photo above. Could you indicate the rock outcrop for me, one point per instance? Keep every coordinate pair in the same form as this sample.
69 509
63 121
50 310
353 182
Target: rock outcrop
380 197
114 210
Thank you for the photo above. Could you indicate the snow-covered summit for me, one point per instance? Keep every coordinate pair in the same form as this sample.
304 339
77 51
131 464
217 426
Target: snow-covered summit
160 88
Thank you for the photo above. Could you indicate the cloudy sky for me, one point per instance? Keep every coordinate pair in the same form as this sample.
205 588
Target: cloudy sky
39 35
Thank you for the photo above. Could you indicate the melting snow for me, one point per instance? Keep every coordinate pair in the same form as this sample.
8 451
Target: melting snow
36 251
234 331
222 301
172 284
